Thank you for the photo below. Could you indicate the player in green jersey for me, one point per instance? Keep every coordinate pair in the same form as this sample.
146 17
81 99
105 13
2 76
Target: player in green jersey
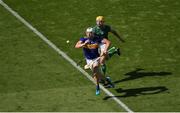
101 30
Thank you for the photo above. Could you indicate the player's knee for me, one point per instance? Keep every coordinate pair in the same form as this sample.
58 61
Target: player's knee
95 69
102 61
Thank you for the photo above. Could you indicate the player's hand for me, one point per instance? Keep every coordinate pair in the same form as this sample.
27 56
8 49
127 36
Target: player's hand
86 42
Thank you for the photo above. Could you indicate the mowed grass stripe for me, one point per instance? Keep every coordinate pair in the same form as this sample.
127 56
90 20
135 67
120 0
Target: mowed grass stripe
52 100
31 72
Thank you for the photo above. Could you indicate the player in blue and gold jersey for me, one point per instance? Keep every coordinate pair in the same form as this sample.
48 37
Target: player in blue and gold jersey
90 45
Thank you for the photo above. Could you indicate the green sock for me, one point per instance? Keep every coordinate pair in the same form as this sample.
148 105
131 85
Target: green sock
112 51
103 68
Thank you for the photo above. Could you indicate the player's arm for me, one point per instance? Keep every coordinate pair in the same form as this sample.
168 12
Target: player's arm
81 44
107 44
117 35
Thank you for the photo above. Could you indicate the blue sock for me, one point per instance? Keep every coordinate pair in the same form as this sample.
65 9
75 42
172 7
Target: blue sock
97 87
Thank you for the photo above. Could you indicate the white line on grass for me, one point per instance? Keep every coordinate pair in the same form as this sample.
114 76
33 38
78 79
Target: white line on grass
62 54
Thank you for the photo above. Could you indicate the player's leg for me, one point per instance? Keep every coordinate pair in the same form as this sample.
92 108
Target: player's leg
109 83
96 76
103 65
105 80
94 66
112 51
103 58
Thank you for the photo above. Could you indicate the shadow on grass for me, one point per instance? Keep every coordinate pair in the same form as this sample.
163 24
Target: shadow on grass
139 74
138 91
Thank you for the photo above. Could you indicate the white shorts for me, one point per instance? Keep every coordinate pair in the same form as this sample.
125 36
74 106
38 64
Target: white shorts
92 62
101 47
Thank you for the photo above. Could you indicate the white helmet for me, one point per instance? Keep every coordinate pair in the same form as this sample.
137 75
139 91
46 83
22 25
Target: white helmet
89 29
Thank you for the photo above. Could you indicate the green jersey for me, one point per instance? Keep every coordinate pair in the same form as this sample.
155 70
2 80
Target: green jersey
102 32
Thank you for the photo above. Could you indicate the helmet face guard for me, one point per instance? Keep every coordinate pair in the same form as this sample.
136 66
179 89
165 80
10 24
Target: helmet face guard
89 32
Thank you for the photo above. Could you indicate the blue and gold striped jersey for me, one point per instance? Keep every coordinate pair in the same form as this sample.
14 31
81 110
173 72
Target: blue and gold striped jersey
91 49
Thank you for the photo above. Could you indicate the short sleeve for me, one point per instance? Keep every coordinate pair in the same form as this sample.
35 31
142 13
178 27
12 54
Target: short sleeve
82 39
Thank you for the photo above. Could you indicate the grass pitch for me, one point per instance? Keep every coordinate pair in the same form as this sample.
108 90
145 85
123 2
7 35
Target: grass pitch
35 78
